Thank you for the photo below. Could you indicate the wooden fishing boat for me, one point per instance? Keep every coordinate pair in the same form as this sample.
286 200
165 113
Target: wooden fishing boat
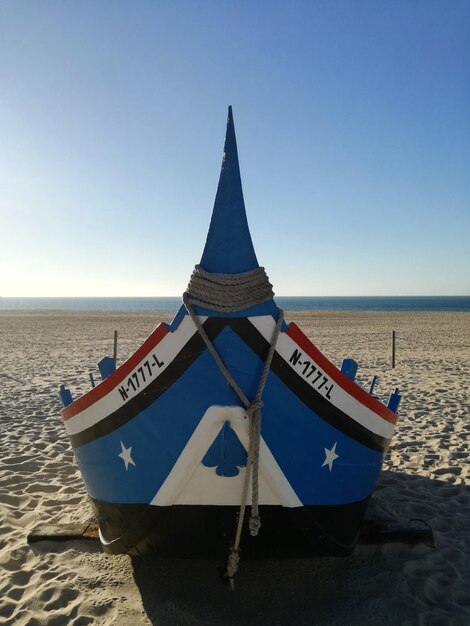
228 409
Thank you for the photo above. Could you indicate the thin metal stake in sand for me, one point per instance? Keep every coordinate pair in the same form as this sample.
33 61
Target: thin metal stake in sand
393 349
115 347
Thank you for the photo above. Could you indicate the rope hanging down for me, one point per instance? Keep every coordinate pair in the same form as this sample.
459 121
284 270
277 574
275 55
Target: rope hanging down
230 293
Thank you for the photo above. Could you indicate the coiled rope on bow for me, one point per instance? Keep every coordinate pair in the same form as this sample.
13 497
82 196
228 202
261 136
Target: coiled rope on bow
230 293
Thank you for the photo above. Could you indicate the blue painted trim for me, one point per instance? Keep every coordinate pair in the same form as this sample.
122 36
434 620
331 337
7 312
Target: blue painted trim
394 400
107 366
176 321
65 395
266 308
349 368
373 383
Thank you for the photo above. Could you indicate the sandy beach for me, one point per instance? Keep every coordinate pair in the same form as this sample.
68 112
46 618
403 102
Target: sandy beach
426 476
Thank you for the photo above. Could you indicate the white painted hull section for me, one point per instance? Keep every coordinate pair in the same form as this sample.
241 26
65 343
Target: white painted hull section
190 482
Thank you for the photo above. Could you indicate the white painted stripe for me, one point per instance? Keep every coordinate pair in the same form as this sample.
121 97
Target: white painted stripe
338 396
164 352
189 482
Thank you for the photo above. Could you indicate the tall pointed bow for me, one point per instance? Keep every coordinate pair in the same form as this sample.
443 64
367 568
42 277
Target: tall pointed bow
229 249
174 443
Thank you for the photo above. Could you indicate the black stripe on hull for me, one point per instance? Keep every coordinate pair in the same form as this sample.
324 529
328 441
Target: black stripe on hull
188 354
309 396
253 339
208 531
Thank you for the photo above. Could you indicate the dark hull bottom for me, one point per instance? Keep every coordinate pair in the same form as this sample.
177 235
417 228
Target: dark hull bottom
208 531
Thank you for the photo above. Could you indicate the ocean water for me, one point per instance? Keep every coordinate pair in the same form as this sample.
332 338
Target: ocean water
288 303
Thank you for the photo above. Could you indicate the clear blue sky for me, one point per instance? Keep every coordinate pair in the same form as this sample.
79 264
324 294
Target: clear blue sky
353 127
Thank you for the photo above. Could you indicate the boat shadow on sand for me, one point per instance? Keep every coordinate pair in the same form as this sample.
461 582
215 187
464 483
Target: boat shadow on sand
390 583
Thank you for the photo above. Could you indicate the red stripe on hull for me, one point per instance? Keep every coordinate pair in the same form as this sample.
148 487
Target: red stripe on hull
294 332
116 377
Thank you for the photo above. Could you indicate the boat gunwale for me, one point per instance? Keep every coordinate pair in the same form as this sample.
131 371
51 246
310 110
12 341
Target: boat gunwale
292 331
352 388
111 382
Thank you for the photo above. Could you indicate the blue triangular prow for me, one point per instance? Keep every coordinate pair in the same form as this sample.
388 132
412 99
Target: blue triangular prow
229 249
226 453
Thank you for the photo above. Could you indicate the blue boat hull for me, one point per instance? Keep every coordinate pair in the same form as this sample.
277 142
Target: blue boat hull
165 443
168 461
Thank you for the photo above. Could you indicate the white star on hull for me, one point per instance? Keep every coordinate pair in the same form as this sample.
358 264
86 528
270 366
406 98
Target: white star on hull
125 455
330 457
